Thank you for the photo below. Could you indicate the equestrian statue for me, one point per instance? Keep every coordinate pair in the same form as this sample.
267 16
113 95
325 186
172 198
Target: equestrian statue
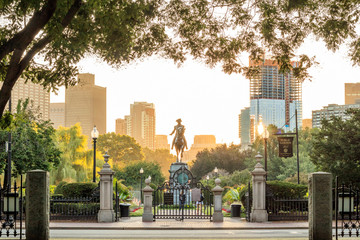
179 140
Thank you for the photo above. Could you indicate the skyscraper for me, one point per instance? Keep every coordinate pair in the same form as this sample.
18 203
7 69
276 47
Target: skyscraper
274 96
142 122
244 126
120 126
352 93
331 110
200 143
161 142
86 103
57 114
38 96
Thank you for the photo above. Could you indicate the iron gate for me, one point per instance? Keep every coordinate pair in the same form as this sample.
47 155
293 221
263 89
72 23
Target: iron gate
182 201
347 212
12 211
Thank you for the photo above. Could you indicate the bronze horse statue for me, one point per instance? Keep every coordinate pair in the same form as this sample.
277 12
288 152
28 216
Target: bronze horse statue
179 144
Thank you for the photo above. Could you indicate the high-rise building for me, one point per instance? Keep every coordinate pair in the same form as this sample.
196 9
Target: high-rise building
200 143
331 110
86 103
38 96
57 114
161 142
128 125
274 96
307 123
352 93
244 127
120 126
142 123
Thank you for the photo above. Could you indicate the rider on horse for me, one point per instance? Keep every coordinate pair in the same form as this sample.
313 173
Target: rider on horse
180 130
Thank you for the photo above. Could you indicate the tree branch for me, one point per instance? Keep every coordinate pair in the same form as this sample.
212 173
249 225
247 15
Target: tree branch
46 40
17 65
10 79
23 38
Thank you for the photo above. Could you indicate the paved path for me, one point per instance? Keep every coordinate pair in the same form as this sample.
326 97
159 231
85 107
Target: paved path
136 223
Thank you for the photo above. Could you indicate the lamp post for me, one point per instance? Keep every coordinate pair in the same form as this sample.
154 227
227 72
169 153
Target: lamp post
94 135
7 178
264 133
141 180
216 170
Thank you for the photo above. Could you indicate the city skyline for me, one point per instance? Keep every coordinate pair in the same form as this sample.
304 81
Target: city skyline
207 100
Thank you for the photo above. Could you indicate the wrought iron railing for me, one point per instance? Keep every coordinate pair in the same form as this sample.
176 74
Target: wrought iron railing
347 210
76 208
175 202
12 211
248 200
281 209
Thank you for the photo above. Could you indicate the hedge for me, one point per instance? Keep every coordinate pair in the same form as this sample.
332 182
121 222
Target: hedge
69 190
280 189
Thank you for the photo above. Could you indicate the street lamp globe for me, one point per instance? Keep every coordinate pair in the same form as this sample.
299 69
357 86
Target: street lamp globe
94 133
207 177
141 170
216 170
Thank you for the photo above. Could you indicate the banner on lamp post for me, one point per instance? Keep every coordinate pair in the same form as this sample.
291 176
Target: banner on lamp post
285 146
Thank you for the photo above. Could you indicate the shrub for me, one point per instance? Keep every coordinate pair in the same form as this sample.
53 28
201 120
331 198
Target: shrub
78 189
59 187
279 189
287 190
123 191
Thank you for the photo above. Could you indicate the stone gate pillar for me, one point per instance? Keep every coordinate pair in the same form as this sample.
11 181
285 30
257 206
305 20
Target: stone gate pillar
217 190
148 199
258 210
320 206
106 212
37 205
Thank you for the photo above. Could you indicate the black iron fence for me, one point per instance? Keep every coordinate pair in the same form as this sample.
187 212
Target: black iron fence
280 209
248 200
77 208
12 211
347 217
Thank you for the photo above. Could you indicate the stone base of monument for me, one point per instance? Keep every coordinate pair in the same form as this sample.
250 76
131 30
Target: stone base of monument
176 166
106 216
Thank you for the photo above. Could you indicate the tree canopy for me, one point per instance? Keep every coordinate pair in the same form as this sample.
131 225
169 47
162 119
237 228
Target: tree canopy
229 158
131 175
336 147
163 157
33 144
120 147
42 41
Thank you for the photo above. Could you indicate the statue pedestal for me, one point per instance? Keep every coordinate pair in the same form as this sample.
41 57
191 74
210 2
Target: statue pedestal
176 166
176 192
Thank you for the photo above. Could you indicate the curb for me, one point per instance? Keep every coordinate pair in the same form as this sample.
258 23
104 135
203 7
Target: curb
176 228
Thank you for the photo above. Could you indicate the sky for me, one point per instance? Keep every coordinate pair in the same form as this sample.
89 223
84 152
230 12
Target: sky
206 99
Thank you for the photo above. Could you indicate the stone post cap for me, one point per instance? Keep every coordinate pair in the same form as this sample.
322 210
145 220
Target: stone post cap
36 171
147 188
217 188
259 170
258 157
106 167
320 173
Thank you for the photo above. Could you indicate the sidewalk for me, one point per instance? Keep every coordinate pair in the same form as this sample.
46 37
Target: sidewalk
190 224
